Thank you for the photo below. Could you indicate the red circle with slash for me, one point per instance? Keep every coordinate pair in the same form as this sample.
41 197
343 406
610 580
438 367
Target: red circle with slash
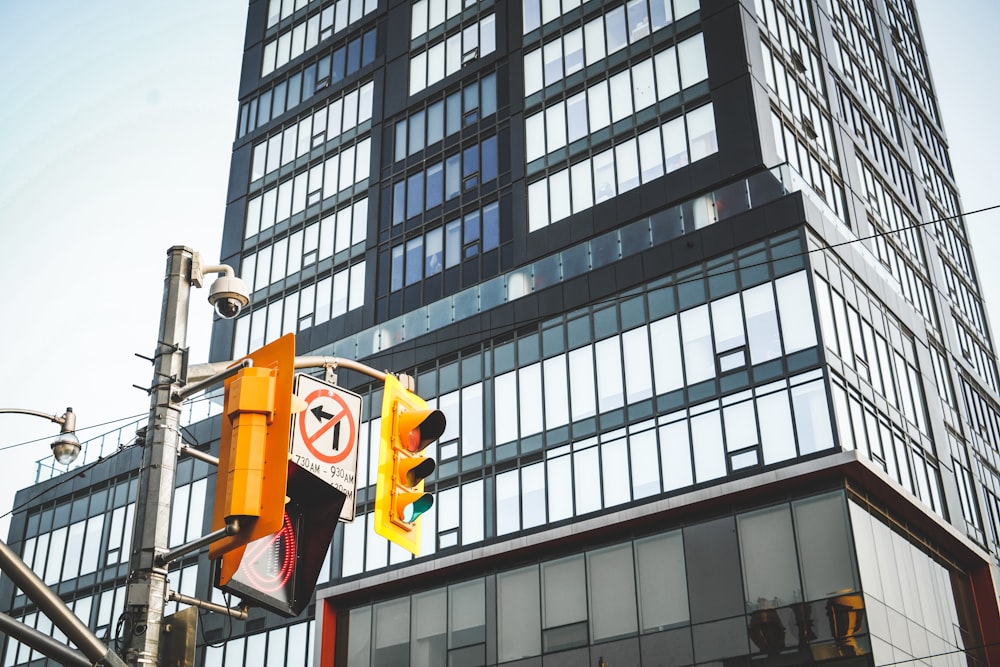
341 413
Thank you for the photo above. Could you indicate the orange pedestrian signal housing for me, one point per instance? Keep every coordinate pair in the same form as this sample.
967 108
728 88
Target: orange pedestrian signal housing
409 426
253 450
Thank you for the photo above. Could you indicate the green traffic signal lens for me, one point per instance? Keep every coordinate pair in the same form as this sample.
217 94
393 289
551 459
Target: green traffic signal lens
418 507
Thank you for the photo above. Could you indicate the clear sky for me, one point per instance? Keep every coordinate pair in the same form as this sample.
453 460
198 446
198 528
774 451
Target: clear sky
117 120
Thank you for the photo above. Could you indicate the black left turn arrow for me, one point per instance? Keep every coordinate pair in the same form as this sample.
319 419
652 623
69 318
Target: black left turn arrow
321 414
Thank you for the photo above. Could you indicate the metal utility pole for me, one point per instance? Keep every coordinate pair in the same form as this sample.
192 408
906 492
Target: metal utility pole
147 584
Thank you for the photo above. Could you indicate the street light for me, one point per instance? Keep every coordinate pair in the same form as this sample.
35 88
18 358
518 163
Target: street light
66 446
92 651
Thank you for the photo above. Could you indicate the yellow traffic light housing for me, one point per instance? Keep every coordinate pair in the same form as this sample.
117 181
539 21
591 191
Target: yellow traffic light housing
253 450
408 427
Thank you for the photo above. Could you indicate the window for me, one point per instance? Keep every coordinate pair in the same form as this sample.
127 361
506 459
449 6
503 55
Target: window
446 57
564 604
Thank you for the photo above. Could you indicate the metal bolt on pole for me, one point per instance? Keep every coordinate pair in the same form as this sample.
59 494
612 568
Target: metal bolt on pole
147 584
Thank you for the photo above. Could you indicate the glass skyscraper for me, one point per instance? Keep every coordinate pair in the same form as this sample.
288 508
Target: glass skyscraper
691 284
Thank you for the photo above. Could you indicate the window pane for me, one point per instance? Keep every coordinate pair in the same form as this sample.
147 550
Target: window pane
812 417
604 176
559 196
638 378
615 29
576 117
713 570
391 633
741 425
621 96
611 592
675 144
667 79
560 488
466 614
675 456
650 155
598 106
508 512
573 48
564 603
532 72
582 186
586 479
627 161
609 373
699 360
556 393
538 205
614 473
706 439
762 324
798 329
518 614
691 54
701 130
663 600
593 39
825 546
533 495
555 127
505 390
770 571
776 436
581 368
667 367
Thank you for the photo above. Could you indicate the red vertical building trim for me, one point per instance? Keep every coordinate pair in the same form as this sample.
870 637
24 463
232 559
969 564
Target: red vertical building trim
328 634
984 594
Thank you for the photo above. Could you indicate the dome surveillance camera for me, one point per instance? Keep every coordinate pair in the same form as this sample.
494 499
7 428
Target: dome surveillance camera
229 295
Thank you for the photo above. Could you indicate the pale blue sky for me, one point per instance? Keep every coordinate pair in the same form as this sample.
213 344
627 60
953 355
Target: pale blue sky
117 119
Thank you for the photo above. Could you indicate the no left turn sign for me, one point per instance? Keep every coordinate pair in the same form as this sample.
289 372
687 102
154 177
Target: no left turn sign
325 436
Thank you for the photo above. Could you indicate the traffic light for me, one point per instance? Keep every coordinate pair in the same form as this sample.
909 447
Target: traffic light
279 571
253 450
408 427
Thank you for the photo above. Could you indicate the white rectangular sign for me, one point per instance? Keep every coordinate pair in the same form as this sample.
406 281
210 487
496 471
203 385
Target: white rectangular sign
325 436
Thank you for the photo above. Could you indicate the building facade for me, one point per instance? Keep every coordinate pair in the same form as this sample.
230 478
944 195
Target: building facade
689 280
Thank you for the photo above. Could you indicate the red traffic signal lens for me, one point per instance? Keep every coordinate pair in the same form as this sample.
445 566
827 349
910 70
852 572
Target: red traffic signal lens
419 428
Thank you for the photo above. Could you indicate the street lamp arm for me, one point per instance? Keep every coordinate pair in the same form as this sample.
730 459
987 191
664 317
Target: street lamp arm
199 372
52 418
66 447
